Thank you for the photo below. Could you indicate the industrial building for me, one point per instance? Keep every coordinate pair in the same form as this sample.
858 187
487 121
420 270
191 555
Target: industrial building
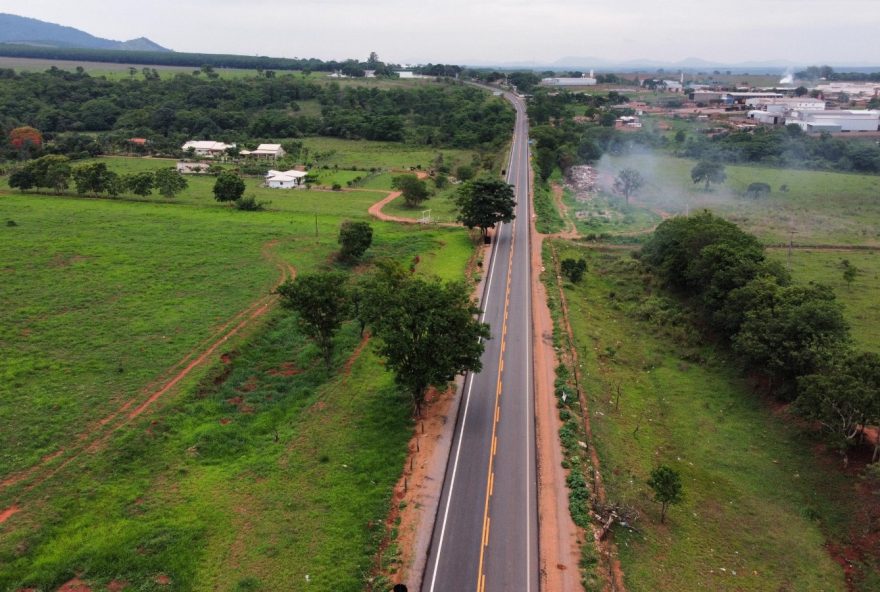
835 121
582 81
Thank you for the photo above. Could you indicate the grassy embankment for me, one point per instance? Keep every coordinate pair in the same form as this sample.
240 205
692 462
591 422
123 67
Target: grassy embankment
250 474
759 507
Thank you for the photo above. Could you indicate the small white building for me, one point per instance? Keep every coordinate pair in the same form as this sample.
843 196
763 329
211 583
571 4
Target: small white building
207 148
582 81
267 151
285 179
786 104
835 121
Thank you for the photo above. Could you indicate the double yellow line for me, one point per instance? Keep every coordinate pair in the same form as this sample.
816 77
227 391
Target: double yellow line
490 477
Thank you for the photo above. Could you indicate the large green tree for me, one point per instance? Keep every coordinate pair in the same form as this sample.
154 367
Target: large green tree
414 190
139 183
428 331
794 333
169 182
321 301
483 203
228 187
708 172
844 397
354 238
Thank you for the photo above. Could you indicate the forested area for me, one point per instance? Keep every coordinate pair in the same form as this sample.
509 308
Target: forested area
792 337
171 58
64 105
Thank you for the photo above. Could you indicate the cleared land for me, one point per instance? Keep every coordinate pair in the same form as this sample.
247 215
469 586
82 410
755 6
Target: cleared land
259 467
759 507
817 208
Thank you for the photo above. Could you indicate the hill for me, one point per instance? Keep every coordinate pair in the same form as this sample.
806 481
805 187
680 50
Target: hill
29 31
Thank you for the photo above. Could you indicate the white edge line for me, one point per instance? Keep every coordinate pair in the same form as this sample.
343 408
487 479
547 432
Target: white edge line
467 400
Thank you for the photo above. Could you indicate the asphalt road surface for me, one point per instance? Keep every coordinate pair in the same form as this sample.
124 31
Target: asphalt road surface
485 537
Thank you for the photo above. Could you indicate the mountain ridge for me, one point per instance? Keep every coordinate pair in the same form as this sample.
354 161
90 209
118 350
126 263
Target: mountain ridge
24 30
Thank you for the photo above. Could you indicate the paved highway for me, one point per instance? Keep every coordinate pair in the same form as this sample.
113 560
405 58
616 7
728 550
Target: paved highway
485 537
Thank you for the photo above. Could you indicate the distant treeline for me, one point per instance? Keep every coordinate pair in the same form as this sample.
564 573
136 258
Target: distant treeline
188 106
787 147
173 58
828 73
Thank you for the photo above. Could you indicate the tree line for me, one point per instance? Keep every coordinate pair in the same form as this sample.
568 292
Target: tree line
793 336
788 146
63 105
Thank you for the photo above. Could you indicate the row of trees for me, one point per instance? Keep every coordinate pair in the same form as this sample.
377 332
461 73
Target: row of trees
788 146
54 172
235 110
427 330
793 336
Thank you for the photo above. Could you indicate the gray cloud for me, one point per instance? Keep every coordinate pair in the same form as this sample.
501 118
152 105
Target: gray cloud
461 31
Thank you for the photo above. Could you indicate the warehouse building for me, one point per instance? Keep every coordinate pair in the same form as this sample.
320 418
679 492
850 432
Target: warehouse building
835 121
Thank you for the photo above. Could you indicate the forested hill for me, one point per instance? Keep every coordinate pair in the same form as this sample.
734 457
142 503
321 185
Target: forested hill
34 32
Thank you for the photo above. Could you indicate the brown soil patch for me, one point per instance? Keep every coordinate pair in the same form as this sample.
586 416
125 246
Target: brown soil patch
117 586
162 580
285 369
8 512
225 421
346 369
75 585
250 385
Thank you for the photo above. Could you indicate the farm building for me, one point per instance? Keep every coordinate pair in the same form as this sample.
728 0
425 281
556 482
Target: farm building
207 148
835 121
284 179
784 105
267 151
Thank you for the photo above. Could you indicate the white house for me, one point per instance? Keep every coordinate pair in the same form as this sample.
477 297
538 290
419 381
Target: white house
267 151
284 179
207 148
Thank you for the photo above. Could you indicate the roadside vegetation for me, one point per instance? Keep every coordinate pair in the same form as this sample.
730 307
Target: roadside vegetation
759 509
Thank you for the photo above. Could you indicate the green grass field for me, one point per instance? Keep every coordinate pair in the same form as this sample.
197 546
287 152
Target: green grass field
861 305
251 473
366 154
818 208
758 507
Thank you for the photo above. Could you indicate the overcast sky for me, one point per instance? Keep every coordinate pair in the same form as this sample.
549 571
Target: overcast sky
479 31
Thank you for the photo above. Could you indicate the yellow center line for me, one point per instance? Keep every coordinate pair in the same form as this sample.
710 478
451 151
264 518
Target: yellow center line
481 577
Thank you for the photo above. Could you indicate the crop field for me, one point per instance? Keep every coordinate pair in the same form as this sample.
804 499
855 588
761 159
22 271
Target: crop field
759 511
231 478
809 207
860 299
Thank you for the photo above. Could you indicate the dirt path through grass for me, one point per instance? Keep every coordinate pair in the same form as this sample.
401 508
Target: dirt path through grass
94 438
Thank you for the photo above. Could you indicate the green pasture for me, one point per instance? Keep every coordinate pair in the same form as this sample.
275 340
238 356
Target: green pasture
104 297
860 299
759 507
